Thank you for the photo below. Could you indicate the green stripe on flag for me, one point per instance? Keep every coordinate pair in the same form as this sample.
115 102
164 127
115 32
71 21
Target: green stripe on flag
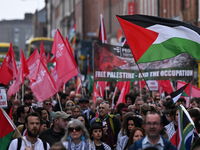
170 48
184 94
5 141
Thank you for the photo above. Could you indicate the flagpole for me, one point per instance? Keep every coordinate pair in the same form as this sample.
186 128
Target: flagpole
16 96
59 102
64 88
113 97
145 81
22 93
13 125
140 90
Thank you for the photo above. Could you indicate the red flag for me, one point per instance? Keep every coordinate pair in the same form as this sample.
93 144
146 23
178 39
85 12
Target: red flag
166 86
95 93
52 59
22 73
42 53
32 63
141 84
102 31
120 85
175 139
65 66
195 90
125 90
8 69
78 84
43 81
102 86
59 83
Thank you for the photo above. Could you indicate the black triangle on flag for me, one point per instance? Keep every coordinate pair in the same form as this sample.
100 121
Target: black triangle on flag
176 95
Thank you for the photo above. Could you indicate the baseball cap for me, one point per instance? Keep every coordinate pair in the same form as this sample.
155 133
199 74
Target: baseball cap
83 99
60 114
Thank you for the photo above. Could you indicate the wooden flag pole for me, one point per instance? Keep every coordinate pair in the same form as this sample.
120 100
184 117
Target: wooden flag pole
13 125
59 102
145 81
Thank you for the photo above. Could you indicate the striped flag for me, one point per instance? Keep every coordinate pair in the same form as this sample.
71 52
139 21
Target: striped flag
176 95
157 38
6 130
184 135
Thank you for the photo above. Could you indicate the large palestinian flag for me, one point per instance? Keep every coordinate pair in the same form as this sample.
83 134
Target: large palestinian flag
153 38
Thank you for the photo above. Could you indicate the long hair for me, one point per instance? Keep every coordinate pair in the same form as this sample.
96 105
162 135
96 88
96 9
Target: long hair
76 123
124 123
130 141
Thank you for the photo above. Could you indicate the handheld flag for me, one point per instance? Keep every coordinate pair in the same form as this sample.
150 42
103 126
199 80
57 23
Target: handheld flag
65 63
102 31
149 41
176 95
32 63
6 130
184 135
42 80
8 69
95 93
59 83
125 90
42 53
22 73
78 84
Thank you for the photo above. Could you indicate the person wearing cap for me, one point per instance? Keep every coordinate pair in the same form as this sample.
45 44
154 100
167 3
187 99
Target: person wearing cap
85 109
57 130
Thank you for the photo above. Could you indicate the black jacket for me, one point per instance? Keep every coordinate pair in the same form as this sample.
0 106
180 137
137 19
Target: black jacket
50 136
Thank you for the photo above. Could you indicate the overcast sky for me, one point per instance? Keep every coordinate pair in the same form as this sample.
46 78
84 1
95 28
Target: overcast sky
15 9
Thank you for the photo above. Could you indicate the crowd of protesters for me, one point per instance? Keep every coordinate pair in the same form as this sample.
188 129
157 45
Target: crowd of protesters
72 121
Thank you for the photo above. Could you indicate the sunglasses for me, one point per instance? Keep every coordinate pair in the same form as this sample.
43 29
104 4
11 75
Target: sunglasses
47 103
70 105
71 129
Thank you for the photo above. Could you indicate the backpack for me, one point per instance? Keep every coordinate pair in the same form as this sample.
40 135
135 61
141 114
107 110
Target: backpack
20 143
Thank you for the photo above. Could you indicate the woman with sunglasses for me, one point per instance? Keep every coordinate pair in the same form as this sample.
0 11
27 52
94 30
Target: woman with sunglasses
96 134
77 137
69 104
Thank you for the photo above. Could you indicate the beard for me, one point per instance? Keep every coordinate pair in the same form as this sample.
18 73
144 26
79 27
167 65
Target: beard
33 132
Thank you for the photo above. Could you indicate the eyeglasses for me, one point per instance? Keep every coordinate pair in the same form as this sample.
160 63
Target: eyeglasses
155 124
70 105
71 129
47 103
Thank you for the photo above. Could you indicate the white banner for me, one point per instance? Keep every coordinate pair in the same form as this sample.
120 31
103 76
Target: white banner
3 97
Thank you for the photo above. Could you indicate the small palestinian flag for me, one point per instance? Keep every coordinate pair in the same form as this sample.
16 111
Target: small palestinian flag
153 38
176 95
6 130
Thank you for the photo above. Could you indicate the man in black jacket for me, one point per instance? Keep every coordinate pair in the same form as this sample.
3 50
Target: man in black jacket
57 131
84 105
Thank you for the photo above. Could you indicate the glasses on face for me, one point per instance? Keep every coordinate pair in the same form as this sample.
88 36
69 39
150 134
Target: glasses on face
70 105
48 104
71 129
155 124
